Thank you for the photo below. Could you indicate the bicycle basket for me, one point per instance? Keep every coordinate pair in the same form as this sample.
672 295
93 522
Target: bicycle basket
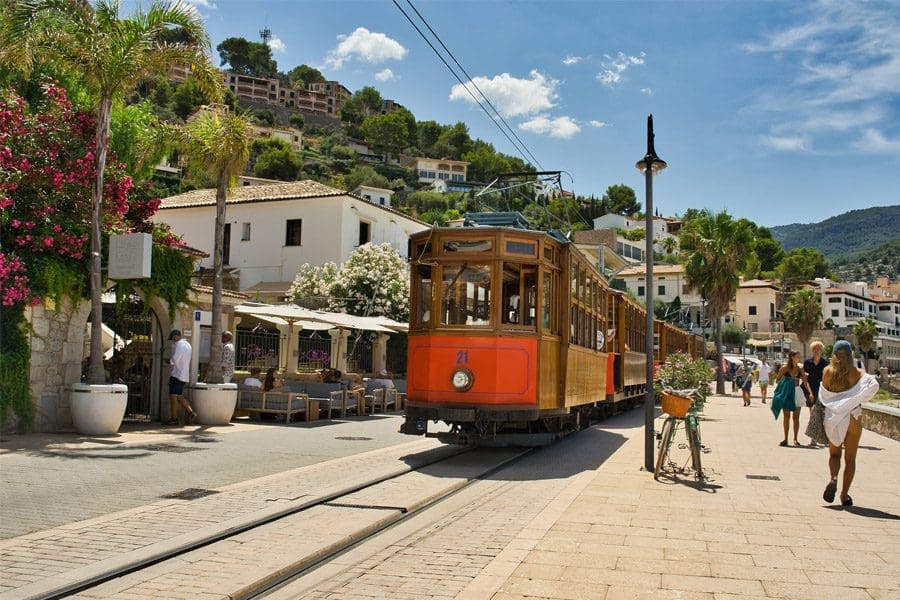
675 405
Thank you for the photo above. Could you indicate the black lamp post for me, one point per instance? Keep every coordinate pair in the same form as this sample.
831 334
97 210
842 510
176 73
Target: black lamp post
650 165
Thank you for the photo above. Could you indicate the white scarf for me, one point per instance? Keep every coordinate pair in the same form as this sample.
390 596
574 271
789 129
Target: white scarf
840 406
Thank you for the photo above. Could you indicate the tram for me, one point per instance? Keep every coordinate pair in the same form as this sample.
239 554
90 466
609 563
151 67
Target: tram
516 338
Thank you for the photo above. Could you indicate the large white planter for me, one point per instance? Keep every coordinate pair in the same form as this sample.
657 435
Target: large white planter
214 403
98 409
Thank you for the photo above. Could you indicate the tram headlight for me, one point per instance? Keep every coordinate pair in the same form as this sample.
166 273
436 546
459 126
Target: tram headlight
462 380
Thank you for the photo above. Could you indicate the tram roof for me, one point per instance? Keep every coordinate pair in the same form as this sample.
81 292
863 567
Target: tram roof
496 219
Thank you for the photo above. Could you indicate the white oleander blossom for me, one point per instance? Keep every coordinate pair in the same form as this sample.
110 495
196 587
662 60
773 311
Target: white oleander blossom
312 284
374 281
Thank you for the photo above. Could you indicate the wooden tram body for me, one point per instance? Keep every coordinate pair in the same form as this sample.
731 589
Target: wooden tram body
515 337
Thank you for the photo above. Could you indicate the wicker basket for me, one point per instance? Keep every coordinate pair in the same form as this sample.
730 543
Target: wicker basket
676 405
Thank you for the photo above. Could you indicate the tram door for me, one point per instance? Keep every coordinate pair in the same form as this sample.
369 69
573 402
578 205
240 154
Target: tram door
136 356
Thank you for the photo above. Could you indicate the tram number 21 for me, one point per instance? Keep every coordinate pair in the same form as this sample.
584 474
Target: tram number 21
462 357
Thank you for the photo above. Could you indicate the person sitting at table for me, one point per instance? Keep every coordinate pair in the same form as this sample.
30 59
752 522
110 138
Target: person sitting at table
253 381
274 382
383 381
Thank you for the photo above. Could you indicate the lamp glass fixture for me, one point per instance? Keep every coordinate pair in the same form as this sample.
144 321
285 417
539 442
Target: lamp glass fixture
656 165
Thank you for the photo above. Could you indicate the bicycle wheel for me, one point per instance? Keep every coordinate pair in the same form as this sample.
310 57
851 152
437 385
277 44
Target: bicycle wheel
665 441
693 431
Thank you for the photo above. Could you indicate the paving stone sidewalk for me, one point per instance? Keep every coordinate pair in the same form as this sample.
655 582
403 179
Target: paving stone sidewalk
757 528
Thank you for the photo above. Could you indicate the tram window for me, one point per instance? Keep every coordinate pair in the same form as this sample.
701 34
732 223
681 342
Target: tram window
466 295
545 305
548 254
529 283
422 250
425 291
512 293
468 245
574 282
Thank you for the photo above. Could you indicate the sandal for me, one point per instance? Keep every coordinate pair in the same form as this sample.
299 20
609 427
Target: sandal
172 422
830 490
784 443
848 501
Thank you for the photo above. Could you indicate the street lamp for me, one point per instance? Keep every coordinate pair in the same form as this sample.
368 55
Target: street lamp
650 165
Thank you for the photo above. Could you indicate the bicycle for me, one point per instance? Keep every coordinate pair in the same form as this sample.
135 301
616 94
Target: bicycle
680 406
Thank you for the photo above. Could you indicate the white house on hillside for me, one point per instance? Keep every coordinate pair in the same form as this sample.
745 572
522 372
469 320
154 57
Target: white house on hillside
663 227
271 230
670 283
375 195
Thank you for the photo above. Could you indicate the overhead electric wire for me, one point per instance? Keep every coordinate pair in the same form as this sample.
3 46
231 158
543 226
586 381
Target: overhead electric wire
475 85
523 150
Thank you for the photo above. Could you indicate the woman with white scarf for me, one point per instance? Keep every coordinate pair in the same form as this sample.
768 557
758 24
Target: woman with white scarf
844 388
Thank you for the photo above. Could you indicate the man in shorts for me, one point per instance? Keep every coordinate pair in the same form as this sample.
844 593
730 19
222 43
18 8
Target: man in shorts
179 376
764 370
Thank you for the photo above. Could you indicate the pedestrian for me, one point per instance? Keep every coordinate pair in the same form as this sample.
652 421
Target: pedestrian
764 371
746 386
844 388
178 377
789 397
227 356
732 369
814 367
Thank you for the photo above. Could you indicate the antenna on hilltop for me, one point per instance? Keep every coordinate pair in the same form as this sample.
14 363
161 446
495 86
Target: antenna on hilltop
266 34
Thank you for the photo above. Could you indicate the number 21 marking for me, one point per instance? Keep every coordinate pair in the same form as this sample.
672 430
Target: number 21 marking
462 357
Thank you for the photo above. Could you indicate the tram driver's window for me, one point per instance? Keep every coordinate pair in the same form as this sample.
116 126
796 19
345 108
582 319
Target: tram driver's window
512 294
466 295
423 314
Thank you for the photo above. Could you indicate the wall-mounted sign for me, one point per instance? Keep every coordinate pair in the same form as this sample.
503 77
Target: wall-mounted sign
129 256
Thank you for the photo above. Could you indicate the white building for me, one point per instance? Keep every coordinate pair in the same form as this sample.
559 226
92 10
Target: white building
663 227
757 306
375 195
669 282
271 230
430 170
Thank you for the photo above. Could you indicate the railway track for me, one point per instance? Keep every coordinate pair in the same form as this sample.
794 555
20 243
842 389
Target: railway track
248 561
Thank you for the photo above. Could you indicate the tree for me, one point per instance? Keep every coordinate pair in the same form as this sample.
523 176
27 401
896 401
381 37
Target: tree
218 146
734 335
621 200
365 175
363 103
112 55
386 133
769 252
453 142
802 314
670 244
297 121
373 281
187 98
278 161
303 75
427 134
247 58
865 330
715 248
802 264
311 285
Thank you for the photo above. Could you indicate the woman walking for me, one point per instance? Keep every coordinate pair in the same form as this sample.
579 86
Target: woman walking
814 367
844 389
789 396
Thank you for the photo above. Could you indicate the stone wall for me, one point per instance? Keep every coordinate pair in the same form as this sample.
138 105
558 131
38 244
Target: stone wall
57 345
884 420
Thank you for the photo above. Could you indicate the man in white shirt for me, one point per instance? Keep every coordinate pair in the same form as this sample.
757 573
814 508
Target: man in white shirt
764 371
227 357
178 377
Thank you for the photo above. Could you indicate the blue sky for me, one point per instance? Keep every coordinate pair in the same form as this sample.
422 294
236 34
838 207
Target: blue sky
780 112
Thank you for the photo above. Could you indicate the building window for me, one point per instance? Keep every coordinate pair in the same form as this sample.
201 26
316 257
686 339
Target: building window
226 244
835 313
752 310
293 231
661 290
245 232
364 233
640 290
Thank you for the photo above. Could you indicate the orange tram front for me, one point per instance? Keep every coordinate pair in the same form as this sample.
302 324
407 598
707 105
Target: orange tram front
516 338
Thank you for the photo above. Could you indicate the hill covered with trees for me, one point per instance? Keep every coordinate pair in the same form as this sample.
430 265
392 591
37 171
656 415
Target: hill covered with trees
844 236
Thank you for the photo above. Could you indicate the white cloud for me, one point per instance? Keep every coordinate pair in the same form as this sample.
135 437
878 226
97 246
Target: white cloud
560 127
648 91
874 141
277 45
201 3
367 46
786 144
385 75
572 60
598 124
838 75
614 67
512 96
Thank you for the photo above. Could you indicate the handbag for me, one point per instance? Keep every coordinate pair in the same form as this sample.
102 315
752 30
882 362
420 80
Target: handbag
815 429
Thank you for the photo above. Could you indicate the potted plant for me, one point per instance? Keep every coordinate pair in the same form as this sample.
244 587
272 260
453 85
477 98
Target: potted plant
681 372
217 145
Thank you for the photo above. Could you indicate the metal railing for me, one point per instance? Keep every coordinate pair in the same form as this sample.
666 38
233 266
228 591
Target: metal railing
259 348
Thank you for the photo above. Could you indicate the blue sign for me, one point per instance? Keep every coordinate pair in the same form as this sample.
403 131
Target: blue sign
196 315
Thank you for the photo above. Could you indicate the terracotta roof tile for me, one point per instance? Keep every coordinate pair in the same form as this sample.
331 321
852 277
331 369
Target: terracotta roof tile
254 193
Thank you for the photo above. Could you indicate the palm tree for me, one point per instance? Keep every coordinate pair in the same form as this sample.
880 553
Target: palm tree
112 55
218 146
669 244
865 331
802 313
715 249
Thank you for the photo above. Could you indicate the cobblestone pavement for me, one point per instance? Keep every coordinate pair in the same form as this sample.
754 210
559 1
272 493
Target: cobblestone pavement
50 480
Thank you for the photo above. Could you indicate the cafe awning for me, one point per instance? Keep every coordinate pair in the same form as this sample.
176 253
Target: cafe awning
317 319
760 343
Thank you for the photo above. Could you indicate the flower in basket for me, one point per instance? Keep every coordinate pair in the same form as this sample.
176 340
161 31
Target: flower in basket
681 372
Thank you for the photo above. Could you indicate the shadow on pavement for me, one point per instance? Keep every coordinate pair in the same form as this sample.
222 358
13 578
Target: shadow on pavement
871 513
